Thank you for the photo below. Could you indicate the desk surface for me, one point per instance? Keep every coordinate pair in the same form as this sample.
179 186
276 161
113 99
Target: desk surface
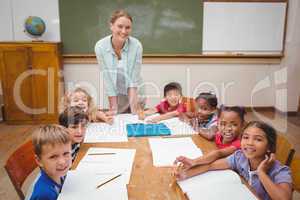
148 182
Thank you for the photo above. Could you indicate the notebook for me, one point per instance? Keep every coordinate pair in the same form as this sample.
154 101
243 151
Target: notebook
140 129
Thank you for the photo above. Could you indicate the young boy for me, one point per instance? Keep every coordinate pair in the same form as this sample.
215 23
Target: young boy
75 120
52 147
170 107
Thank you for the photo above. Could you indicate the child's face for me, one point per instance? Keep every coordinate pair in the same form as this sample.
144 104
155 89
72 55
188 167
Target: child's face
173 97
55 160
230 126
79 99
204 109
77 132
254 143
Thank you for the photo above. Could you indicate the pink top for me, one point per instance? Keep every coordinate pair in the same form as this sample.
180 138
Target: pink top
218 140
164 107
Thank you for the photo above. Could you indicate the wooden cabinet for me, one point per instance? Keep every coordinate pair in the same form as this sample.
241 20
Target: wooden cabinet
31 78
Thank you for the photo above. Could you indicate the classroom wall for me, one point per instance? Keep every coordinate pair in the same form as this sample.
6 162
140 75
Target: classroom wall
270 85
233 83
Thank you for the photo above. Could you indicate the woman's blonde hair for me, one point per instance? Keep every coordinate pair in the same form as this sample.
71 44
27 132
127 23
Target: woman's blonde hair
66 101
119 13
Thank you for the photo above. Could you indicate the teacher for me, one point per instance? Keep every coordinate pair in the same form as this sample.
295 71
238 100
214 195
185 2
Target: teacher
120 57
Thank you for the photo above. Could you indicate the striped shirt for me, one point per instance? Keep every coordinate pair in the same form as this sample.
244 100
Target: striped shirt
74 151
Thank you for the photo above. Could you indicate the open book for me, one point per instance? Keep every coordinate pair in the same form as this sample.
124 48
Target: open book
215 185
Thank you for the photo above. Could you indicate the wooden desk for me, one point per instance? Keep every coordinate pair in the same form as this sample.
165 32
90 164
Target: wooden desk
148 182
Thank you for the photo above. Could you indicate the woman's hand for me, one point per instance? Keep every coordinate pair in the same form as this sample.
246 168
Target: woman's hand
266 164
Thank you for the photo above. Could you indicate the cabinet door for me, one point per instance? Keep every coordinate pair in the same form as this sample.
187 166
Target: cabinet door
45 81
15 67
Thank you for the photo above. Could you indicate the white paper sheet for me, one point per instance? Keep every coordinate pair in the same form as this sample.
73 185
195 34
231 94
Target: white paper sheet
82 185
121 161
166 150
215 185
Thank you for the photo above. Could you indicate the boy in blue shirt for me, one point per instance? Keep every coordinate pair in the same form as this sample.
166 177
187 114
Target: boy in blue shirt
52 147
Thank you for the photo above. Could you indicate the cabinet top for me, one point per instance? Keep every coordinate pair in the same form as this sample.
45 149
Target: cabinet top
29 42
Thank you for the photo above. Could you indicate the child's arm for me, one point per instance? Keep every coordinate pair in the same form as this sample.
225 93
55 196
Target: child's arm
209 133
142 114
215 155
182 174
276 191
206 159
164 117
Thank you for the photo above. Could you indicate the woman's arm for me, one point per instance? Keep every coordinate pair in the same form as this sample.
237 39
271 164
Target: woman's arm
106 76
113 104
133 99
134 80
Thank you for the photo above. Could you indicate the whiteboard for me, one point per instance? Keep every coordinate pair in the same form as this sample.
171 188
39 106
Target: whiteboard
243 27
6 33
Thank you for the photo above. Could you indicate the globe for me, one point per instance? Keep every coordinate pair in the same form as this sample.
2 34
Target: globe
35 26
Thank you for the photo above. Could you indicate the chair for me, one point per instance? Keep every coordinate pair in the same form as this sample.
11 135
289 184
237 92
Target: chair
284 150
295 169
190 104
19 166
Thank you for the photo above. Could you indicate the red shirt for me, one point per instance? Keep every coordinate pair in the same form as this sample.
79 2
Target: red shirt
164 107
218 140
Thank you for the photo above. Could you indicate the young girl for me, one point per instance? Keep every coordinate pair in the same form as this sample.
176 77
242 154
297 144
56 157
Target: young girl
81 98
255 162
170 107
231 121
205 119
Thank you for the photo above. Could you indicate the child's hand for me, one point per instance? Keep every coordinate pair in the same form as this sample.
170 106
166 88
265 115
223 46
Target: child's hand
186 163
179 172
110 113
266 164
141 115
109 120
153 120
182 117
195 124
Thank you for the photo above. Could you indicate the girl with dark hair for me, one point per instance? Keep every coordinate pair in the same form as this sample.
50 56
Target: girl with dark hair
255 162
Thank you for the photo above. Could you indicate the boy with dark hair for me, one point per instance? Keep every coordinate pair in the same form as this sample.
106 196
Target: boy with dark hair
75 120
171 106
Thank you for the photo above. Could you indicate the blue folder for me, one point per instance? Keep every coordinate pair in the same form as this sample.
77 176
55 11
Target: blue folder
140 130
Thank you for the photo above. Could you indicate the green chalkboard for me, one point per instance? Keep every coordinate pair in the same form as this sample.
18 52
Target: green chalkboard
163 26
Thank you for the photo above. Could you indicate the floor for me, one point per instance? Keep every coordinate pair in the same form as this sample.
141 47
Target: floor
12 136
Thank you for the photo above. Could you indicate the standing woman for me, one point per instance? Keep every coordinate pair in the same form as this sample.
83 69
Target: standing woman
120 57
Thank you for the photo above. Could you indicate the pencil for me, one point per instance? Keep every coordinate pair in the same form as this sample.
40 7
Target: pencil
95 154
98 186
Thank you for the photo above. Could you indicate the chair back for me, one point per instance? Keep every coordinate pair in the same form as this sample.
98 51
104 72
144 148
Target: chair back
295 169
284 150
20 165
